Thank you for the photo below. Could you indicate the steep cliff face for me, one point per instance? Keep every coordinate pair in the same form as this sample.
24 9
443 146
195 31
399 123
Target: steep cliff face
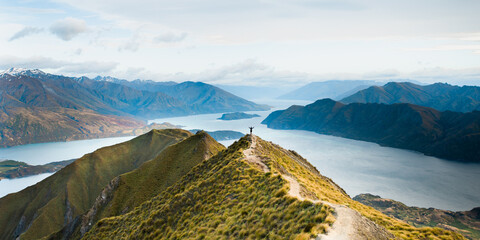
449 135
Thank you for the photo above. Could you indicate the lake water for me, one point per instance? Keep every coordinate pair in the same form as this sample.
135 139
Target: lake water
14 185
42 153
358 167
363 167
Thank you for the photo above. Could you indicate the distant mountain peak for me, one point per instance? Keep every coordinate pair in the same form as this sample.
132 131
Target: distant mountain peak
107 79
22 71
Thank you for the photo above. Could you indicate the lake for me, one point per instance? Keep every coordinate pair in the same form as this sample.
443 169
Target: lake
363 167
358 167
42 153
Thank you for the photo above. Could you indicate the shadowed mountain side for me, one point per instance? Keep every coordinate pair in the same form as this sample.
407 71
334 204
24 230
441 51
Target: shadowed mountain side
440 96
129 190
48 206
140 103
449 135
201 97
254 189
38 124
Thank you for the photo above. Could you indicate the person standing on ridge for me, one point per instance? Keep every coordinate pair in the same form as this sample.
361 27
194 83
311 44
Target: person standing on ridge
251 129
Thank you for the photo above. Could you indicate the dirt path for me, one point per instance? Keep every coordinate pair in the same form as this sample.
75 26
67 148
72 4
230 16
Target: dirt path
349 224
343 227
294 188
251 157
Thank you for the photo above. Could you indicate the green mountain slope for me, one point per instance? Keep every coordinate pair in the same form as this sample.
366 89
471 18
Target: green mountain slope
129 190
440 96
449 135
48 206
255 189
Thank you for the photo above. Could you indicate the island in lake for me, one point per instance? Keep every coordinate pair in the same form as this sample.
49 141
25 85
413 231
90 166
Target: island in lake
237 116
221 135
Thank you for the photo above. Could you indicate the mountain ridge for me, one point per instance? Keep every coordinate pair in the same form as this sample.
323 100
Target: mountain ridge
335 89
440 96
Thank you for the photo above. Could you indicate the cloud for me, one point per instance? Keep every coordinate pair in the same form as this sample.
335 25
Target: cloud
60 66
68 28
133 44
170 37
31 62
252 73
89 67
246 73
25 32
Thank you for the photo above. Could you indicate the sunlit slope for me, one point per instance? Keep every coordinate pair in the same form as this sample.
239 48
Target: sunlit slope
46 207
230 196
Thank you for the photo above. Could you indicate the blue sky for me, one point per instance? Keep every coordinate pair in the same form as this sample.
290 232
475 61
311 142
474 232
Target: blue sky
250 42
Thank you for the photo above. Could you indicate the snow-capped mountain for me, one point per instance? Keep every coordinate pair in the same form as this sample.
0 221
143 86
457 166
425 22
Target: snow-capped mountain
22 71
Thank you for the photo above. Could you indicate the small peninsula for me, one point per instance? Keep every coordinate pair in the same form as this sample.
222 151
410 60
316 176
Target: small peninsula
14 169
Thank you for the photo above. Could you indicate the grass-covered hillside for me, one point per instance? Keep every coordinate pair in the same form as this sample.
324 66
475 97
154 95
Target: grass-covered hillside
131 189
224 197
48 206
237 196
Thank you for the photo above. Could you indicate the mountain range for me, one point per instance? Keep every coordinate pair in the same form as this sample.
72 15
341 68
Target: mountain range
334 89
199 96
449 135
440 96
171 184
41 107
